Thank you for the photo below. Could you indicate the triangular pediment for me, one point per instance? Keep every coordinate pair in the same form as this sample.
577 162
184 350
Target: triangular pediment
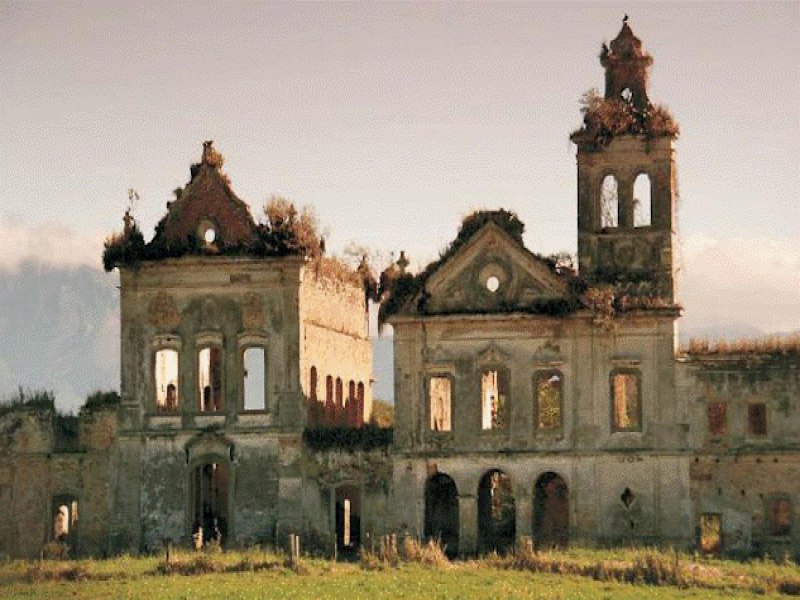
492 272
206 202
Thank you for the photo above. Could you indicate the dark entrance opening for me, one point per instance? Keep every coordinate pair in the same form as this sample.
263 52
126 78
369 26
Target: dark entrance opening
497 517
550 512
348 521
441 512
210 501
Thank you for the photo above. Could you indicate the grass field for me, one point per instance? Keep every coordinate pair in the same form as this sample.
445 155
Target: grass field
257 574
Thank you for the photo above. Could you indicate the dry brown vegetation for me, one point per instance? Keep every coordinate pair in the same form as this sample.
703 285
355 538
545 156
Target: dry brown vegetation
774 345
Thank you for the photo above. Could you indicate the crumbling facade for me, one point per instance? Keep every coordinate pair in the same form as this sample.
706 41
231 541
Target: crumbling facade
532 401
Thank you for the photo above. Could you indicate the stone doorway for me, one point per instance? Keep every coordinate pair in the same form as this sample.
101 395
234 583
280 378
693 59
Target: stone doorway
210 488
348 521
441 512
497 516
550 512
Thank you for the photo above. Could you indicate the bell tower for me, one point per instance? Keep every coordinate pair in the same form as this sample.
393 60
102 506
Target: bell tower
626 179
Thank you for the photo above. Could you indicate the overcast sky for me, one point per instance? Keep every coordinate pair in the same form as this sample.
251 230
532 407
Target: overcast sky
395 120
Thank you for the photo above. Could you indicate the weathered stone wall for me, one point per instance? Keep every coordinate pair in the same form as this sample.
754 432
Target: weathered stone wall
737 473
35 472
596 463
334 336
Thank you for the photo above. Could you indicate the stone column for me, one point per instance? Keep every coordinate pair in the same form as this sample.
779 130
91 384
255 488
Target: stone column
467 523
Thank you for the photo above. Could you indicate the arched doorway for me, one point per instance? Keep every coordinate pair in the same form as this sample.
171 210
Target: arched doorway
497 516
550 511
210 488
348 521
441 512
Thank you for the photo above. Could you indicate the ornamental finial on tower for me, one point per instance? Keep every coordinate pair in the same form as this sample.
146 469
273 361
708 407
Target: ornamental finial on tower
626 66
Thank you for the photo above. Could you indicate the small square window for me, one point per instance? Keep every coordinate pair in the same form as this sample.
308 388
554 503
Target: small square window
626 406
757 418
717 418
439 398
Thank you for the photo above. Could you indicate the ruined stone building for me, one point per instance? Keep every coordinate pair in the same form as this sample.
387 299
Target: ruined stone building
532 401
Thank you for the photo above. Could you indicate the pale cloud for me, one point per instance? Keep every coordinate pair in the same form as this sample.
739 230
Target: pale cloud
753 281
47 244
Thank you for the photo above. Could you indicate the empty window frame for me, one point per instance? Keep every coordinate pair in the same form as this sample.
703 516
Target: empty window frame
710 533
757 418
65 518
254 368
717 418
166 380
439 403
312 384
494 399
642 203
779 517
609 202
548 401
209 379
626 404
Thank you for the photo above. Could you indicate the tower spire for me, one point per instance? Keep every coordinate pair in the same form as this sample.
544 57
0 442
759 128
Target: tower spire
626 66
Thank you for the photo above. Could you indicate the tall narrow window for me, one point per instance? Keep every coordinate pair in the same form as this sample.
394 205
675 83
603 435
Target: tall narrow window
254 362
548 386
494 400
609 202
757 418
329 390
339 392
360 396
439 394
351 391
642 203
209 379
626 401
717 418
166 380
312 385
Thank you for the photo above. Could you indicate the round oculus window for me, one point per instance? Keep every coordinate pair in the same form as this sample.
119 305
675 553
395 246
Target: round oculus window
209 235
492 283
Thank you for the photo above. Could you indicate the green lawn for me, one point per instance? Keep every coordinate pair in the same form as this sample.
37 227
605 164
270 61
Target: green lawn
266 577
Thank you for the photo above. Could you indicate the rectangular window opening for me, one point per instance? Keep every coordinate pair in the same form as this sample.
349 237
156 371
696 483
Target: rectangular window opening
494 400
209 378
717 418
439 395
254 364
780 517
757 418
548 400
711 533
626 402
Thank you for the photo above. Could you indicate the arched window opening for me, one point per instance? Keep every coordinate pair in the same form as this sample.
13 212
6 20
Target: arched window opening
254 376
65 519
312 385
550 512
497 515
339 393
166 380
441 513
360 398
642 201
329 390
348 520
609 202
